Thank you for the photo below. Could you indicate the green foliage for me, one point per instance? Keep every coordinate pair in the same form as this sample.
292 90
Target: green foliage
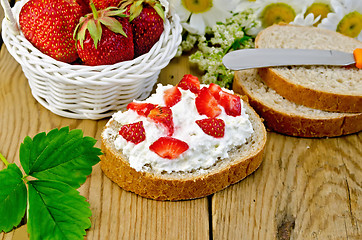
60 161
12 197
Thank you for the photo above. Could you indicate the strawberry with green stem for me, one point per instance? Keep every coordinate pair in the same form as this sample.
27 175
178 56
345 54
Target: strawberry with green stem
49 26
104 37
146 17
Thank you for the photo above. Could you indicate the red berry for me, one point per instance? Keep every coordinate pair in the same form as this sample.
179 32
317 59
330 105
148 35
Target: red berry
133 132
190 82
147 27
168 147
215 90
206 104
212 126
49 26
163 115
112 47
231 103
172 96
104 37
103 4
142 109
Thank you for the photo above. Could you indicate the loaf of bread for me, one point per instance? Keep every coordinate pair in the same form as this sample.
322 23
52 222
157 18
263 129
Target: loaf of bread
286 117
328 88
180 183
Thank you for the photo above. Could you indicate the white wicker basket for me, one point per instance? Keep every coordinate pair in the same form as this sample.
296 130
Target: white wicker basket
88 92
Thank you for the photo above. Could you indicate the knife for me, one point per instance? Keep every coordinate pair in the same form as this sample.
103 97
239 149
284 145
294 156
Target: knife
272 57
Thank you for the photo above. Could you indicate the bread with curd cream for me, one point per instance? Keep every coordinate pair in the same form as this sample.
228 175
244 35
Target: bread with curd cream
329 88
178 182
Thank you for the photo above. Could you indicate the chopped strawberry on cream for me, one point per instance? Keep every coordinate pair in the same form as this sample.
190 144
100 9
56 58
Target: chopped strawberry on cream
181 138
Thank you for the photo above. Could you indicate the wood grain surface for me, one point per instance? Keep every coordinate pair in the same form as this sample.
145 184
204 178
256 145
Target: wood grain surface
304 189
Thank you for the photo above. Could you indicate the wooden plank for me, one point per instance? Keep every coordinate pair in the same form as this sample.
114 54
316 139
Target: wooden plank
117 214
305 189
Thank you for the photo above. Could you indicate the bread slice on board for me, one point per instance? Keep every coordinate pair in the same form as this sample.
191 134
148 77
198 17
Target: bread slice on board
284 116
186 185
322 87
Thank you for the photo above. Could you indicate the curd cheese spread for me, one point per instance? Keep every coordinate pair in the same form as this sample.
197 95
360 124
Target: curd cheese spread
204 150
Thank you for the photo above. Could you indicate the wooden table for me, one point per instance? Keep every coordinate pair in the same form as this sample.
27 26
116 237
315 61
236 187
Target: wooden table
305 188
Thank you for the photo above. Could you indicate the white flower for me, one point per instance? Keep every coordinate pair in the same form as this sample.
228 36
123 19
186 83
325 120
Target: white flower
309 20
313 12
244 5
347 18
196 15
275 11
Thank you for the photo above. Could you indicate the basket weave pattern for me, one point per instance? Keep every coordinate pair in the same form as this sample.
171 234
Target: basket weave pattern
90 92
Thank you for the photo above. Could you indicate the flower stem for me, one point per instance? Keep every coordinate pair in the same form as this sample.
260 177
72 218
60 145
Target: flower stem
4 160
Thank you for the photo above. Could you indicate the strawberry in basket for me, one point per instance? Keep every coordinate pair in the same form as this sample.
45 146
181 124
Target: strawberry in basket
102 4
104 37
146 17
49 26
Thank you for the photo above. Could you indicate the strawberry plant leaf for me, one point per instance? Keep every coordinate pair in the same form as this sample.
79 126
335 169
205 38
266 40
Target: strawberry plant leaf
60 155
57 210
12 197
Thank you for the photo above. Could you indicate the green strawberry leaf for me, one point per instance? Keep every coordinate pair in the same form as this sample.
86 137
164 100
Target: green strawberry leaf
56 210
12 197
95 30
60 155
113 24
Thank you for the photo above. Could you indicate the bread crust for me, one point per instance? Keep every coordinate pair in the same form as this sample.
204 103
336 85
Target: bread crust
297 125
158 187
309 97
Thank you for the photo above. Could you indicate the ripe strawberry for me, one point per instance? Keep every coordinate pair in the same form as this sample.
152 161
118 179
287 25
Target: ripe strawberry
163 115
172 96
142 109
146 17
103 4
206 104
84 4
133 132
49 26
168 147
231 103
104 37
215 90
212 126
190 82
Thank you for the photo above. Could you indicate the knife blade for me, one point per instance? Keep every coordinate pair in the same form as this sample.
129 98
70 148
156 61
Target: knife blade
272 57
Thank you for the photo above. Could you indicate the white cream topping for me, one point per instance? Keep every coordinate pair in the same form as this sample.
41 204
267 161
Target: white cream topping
204 150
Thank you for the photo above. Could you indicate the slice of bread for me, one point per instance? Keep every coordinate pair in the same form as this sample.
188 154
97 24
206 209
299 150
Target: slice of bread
286 117
322 87
243 161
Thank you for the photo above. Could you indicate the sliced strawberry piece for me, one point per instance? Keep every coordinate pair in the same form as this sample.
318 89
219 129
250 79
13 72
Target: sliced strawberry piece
142 109
168 147
212 126
163 115
190 82
172 96
231 103
133 132
206 103
215 90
